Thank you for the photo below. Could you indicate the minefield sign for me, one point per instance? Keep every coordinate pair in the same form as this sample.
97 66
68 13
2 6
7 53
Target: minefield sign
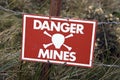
58 40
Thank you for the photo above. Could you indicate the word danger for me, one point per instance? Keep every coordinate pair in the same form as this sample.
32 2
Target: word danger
53 54
58 26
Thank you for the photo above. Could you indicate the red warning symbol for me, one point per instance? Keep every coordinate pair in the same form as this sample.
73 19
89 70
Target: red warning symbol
58 40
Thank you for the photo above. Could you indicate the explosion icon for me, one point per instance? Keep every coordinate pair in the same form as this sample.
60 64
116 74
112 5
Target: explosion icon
57 40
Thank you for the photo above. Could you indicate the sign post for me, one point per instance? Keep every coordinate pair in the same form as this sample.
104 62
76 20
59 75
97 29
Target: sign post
55 6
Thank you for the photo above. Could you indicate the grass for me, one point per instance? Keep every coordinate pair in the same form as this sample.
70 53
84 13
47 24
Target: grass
107 47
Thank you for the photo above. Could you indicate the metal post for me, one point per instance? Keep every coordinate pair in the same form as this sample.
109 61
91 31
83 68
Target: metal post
55 6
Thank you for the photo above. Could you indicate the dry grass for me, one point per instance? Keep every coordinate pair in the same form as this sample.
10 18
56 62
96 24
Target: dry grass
107 41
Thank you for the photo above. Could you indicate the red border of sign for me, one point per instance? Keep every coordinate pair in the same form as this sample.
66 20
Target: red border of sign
53 61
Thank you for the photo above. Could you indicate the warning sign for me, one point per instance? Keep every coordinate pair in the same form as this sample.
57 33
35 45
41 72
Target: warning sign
58 40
